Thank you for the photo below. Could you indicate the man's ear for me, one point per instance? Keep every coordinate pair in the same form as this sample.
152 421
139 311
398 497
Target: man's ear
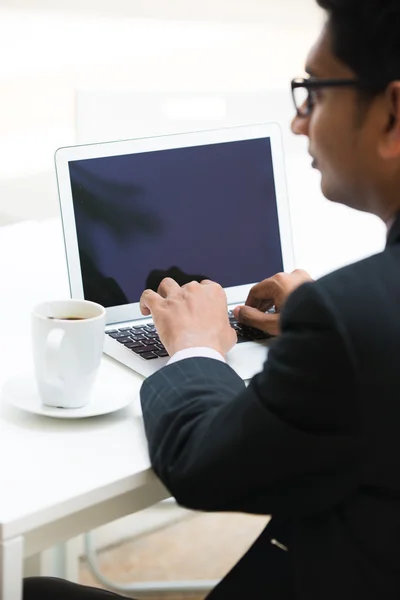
389 146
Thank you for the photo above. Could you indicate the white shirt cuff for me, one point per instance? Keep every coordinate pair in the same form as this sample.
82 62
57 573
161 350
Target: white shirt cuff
199 352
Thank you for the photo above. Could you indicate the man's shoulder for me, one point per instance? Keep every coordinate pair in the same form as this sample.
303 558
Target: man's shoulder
363 292
348 292
365 277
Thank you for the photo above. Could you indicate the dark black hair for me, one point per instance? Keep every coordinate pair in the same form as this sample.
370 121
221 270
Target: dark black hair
365 36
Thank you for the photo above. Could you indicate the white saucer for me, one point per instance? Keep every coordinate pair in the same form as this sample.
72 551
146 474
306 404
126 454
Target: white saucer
21 391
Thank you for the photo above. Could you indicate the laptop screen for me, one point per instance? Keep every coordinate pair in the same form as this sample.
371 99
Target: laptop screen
189 213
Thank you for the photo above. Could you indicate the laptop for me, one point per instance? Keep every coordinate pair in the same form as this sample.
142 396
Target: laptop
208 204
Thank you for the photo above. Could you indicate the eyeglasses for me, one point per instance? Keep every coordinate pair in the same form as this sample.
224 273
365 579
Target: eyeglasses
304 91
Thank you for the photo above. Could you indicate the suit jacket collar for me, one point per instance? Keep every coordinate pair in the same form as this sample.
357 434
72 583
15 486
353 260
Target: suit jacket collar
394 233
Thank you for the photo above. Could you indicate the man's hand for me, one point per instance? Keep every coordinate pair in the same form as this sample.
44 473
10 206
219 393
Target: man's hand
272 292
193 315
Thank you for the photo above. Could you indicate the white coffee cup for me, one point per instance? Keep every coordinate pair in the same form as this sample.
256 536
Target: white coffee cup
67 341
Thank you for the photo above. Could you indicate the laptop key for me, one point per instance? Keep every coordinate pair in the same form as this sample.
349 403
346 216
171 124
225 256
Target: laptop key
246 333
132 345
124 328
141 349
124 340
150 347
148 355
138 336
117 335
111 331
161 353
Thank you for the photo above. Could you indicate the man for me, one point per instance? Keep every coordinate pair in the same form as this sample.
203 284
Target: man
314 438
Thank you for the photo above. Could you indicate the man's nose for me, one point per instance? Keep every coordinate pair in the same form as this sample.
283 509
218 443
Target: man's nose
299 125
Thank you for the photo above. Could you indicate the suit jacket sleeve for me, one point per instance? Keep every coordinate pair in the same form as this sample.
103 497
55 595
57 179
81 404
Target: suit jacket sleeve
286 444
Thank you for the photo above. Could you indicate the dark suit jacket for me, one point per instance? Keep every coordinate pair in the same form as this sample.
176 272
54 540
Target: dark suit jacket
314 440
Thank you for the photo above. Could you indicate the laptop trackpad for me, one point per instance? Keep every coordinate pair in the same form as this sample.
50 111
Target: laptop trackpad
247 359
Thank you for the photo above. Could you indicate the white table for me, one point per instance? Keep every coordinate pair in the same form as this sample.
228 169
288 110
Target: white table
58 478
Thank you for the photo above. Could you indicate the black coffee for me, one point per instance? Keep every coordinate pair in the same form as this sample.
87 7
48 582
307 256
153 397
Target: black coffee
68 318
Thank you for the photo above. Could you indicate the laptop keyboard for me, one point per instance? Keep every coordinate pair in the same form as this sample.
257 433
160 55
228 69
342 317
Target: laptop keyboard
144 341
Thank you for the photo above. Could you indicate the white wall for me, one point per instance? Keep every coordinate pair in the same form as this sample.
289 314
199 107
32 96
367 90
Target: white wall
296 11
54 47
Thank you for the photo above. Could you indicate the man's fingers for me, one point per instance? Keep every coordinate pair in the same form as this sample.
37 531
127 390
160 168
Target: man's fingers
255 318
148 300
167 286
206 282
262 305
236 311
262 295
